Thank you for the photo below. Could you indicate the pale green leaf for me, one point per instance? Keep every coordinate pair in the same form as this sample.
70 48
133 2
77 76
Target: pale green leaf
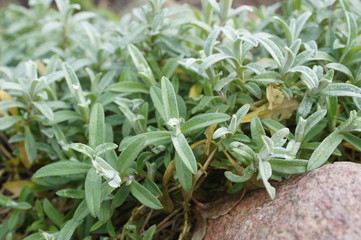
183 174
342 89
93 186
144 196
324 150
62 168
31 148
130 153
8 121
202 121
341 68
44 109
96 126
82 148
128 87
284 166
185 153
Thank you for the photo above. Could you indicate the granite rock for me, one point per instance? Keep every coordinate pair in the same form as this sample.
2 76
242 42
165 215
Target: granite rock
324 204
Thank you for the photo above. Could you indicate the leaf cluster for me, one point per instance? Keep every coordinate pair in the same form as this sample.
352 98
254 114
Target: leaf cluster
114 125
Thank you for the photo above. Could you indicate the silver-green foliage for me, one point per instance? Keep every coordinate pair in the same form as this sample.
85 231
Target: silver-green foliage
121 115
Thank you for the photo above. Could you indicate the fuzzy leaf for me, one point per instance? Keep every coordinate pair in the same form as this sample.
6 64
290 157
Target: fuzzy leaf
96 126
183 174
62 168
128 87
93 186
324 150
202 121
130 153
8 121
144 196
184 152
169 99
342 89
82 148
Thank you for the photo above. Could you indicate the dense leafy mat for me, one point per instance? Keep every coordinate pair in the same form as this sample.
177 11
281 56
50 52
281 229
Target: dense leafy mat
116 129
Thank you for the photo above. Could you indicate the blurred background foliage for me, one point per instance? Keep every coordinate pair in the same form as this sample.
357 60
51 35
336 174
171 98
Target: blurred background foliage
124 6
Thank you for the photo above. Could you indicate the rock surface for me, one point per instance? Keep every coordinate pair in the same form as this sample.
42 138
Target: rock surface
324 204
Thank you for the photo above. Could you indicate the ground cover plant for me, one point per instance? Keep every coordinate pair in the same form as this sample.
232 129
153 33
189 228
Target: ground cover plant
117 129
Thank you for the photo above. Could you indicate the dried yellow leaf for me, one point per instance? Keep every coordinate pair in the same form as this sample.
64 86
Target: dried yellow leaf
274 96
41 67
24 158
15 187
4 96
195 91
279 112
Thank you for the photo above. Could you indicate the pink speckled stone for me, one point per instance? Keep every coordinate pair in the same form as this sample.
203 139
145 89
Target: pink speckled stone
324 204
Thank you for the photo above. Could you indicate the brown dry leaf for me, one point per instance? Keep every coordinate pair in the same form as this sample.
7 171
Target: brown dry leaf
15 187
278 112
166 200
274 96
168 174
350 146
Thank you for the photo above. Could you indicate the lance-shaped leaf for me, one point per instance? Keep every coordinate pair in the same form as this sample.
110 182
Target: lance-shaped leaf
324 150
308 76
284 166
211 41
68 229
82 148
241 113
202 121
44 109
341 68
169 99
156 96
73 83
105 147
8 121
52 213
342 89
184 152
247 174
312 120
96 126
351 27
183 174
71 193
128 87
93 187
286 29
272 49
257 131
62 168
265 172
152 138
300 22
142 65
130 153
9 203
169 67
31 148
214 58
144 196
